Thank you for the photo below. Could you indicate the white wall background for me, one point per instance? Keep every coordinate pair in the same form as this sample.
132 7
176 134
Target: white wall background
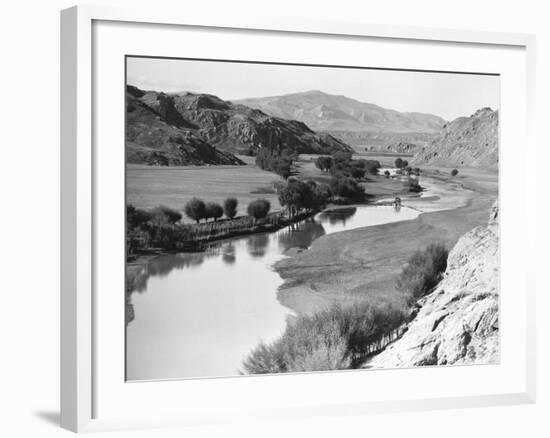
29 218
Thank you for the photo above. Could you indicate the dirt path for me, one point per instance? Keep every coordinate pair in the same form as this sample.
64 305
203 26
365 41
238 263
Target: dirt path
365 261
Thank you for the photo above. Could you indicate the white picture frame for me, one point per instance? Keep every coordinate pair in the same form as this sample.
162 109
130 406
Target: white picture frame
79 198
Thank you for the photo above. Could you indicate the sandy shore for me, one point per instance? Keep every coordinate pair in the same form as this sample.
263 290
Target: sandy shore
364 262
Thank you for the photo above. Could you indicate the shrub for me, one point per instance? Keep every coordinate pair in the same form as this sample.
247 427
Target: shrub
259 208
195 209
213 210
398 163
423 270
387 173
327 340
230 207
454 172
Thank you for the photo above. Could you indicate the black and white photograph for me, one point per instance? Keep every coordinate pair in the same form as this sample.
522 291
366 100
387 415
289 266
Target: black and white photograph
287 218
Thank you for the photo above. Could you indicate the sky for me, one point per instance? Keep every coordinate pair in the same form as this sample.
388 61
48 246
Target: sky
448 95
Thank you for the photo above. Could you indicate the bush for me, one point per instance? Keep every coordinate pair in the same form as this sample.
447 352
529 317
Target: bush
230 207
327 340
387 173
195 209
398 163
454 172
423 270
213 210
259 208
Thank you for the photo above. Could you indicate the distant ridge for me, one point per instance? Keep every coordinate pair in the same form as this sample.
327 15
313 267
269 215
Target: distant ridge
326 112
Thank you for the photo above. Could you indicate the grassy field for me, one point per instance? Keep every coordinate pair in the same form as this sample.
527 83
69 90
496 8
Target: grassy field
149 186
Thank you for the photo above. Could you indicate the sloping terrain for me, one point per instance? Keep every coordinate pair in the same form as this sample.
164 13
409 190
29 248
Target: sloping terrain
466 141
157 135
204 129
327 112
458 322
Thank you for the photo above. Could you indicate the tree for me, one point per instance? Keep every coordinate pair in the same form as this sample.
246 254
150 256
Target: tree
454 172
213 210
324 163
165 215
371 166
136 217
295 195
195 209
357 172
387 173
398 163
230 207
405 164
346 187
341 156
258 209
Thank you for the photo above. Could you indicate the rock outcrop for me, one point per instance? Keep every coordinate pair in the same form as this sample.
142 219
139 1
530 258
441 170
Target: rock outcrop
466 141
189 128
458 322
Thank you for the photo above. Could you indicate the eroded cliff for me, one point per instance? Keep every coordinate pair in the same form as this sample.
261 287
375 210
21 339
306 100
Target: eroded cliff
458 322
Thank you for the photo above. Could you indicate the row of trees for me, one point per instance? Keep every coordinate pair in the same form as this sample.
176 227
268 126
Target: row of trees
276 161
196 209
342 164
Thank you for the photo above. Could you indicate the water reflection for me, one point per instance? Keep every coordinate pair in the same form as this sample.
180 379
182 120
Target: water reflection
337 216
228 253
199 314
257 244
300 235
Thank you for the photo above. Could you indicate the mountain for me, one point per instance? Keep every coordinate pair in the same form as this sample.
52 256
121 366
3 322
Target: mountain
157 135
204 129
327 112
458 322
466 141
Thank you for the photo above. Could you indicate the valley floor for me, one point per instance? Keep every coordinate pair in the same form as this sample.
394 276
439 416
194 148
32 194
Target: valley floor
364 262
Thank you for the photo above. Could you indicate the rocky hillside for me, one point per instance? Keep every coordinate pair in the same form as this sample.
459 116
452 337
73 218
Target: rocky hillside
466 141
458 322
192 128
157 136
327 112
400 147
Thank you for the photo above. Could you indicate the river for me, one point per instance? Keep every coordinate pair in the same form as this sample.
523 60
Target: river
200 314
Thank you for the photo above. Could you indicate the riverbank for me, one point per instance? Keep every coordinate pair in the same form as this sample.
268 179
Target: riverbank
364 262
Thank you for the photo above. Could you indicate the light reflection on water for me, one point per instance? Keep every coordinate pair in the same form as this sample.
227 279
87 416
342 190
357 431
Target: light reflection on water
200 314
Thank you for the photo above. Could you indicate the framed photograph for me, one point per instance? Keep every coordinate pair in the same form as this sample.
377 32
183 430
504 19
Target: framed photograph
257 208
